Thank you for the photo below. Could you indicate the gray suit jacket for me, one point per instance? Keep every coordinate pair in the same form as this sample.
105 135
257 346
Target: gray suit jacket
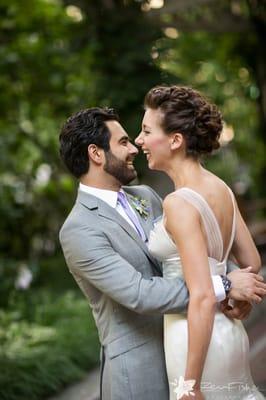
126 292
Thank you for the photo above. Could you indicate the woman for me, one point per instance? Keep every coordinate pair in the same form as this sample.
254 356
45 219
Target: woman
201 225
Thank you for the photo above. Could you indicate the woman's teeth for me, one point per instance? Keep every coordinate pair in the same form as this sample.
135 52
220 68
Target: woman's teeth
147 153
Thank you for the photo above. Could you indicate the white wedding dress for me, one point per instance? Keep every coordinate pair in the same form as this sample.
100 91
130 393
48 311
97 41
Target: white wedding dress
226 372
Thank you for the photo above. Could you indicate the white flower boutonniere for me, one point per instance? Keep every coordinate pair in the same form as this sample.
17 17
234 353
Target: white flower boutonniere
141 206
183 387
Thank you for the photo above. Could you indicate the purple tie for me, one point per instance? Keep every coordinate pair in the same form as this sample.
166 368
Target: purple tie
121 199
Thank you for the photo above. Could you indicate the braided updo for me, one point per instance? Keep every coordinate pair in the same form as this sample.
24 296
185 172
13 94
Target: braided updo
186 111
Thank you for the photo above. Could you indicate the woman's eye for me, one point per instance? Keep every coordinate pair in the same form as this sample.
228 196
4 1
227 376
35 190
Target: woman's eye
146 132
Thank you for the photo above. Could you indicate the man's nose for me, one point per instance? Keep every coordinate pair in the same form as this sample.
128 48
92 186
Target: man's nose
133 149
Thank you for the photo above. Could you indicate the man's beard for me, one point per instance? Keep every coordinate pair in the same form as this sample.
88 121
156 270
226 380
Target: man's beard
118 168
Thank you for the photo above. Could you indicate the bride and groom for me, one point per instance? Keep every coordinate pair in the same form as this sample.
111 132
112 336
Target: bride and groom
158 280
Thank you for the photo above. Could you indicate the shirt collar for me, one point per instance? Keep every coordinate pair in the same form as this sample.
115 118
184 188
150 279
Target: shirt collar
109 196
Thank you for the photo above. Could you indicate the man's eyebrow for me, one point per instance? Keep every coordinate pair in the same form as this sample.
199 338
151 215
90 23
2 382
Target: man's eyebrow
123 138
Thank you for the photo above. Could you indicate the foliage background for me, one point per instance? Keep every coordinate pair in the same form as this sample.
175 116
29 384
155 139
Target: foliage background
58 56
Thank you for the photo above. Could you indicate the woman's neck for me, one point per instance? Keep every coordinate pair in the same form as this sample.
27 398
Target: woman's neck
185 172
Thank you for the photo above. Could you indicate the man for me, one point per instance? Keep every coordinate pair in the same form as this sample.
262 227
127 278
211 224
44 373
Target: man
104 243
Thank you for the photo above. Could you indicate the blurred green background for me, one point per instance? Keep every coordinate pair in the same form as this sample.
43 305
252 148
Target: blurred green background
58 56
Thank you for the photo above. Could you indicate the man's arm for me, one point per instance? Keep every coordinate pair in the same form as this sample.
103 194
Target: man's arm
90 255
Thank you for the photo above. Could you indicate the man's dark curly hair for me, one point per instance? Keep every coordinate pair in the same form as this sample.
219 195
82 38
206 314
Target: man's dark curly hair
79 131
186 111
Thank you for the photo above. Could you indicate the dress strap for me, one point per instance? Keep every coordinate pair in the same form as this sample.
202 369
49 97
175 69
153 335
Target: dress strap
233 225
212 228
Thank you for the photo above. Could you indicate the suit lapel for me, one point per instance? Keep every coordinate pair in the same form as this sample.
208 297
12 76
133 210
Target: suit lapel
105 211
110 213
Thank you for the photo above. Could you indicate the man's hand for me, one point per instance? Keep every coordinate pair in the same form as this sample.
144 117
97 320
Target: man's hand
246 286
240 310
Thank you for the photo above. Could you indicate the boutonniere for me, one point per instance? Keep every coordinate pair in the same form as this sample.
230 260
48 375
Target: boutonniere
141 206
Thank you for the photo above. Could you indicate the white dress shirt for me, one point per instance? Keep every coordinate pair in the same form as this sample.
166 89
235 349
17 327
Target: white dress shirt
110 197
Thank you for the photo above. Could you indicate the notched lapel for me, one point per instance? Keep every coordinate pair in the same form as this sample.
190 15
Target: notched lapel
88 200
105 211
110 213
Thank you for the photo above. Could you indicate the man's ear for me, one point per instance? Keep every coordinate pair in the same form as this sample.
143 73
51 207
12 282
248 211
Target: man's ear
95 154
176 141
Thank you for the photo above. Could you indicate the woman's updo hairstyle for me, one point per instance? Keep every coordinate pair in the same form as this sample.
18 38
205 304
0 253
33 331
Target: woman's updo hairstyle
186 111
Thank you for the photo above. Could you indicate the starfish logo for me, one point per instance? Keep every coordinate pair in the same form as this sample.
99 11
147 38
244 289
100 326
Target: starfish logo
183 387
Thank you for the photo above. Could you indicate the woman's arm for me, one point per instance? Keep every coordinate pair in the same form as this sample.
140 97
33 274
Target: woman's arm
244 249
184 225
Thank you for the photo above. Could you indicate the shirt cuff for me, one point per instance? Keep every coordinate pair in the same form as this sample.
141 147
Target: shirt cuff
218 288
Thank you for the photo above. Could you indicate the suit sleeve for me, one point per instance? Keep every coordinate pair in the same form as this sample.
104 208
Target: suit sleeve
90 255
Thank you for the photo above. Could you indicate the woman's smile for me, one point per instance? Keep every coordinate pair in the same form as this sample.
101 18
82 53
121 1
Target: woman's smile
147 154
